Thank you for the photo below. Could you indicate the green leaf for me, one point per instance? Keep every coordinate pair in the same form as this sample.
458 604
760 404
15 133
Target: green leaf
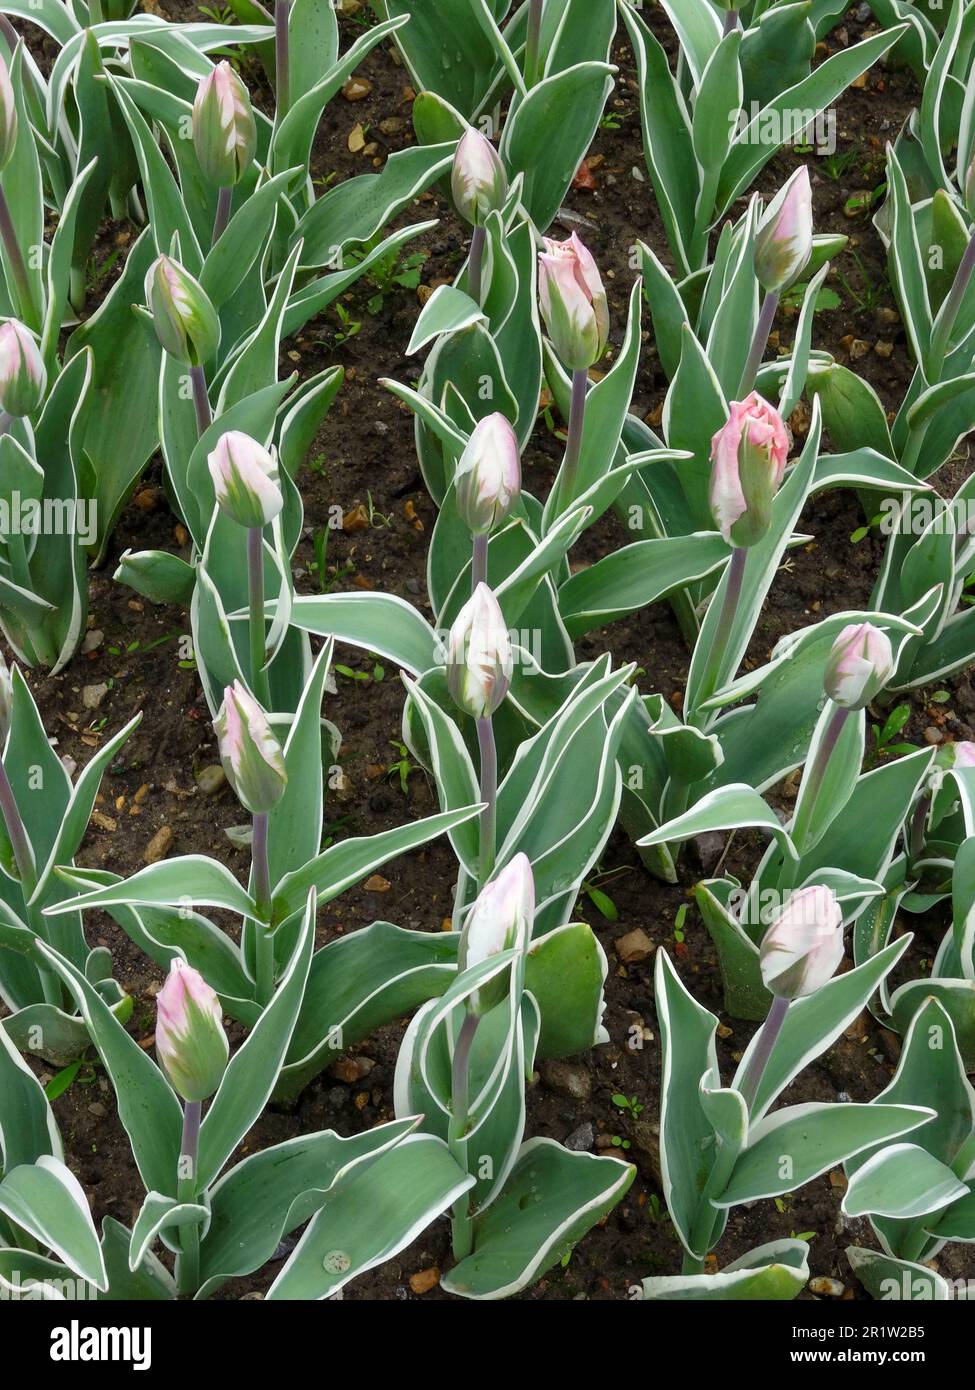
902 1181
192 878
551 1198
49 1202
746 1279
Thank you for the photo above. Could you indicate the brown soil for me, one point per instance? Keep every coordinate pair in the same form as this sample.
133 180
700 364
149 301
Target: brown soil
364 454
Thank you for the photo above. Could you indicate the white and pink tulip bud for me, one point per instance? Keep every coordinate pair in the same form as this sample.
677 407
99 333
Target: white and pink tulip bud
23 378
185 321
488 478
190 1042
748 458
784 241
803 946
573 302
251 756
478 181
499 920
968 189
224 130
479 661
245 480
963 754
8 116
859 665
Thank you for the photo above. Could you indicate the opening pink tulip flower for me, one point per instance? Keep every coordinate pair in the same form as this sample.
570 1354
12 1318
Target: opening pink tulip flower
245 480
479 660
224 130
251 755
573 302
23 378
501 918
784 241
478 181
748 458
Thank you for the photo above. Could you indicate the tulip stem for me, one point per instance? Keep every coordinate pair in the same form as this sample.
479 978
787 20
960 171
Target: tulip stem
763 328
27 870
282 59
816 776
188 1263
764 1043
201 399
476 262
573 441
263 936
730 22
533 42
257 632
225 199
457 1128
489 795
724 626
479 560
29 311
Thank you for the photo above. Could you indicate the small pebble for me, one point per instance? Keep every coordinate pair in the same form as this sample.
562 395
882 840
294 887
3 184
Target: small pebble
159 846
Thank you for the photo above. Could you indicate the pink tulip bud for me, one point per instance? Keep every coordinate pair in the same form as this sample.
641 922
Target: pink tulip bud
964 754
478 182
748 457
479 660
224 131
23 378
250 753
488 478
8 116
803 946
501 918
573 302
784 241
245 480
185 321
190 1041
859 665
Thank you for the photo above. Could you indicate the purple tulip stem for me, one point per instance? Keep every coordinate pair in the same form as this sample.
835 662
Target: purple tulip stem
730 22
224 200
764 1044
479 560
489 795
264 937
763 328
476 262
201 399
533 42
29 310
256 629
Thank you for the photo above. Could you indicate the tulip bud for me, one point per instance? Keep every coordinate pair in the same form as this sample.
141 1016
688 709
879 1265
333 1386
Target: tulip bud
479 655
224 131
501 918
859 665
748 457
250 754
488 478
783 243
190 1041
964 753
185 321
8 116
23 378
478 182
573 302
245 480
804 944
